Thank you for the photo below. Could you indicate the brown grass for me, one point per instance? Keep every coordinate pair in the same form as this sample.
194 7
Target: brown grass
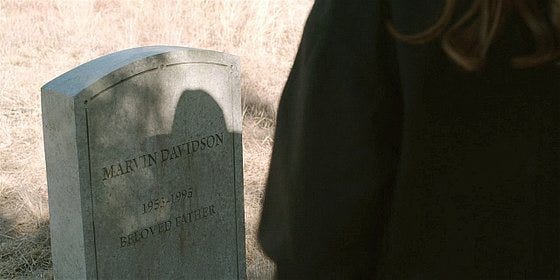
42 39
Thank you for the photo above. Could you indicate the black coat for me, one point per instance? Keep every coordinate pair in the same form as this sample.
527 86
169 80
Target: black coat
391 162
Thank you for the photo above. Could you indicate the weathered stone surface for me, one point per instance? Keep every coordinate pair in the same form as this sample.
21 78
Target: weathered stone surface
143 151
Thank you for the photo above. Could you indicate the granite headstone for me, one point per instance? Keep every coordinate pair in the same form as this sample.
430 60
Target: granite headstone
144 166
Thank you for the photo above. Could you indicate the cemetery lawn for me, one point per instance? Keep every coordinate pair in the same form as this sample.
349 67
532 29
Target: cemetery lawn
43 39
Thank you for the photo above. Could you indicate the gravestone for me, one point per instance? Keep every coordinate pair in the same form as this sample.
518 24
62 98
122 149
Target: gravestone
144 166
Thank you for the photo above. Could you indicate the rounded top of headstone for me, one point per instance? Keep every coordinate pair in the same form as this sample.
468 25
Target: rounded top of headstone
82 77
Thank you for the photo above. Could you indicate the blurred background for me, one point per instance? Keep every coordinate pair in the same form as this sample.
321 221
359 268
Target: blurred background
42 39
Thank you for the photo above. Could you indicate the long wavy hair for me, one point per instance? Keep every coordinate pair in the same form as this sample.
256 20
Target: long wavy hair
467 40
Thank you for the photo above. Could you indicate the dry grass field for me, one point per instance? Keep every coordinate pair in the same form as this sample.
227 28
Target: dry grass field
42 39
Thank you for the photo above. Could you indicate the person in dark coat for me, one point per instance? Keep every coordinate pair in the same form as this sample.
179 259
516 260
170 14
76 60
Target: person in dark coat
419 140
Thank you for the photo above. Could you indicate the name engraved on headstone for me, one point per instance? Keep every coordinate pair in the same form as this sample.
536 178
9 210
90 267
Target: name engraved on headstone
159 157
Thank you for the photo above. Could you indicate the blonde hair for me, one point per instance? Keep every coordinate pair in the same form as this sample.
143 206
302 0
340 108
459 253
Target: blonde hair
467 41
